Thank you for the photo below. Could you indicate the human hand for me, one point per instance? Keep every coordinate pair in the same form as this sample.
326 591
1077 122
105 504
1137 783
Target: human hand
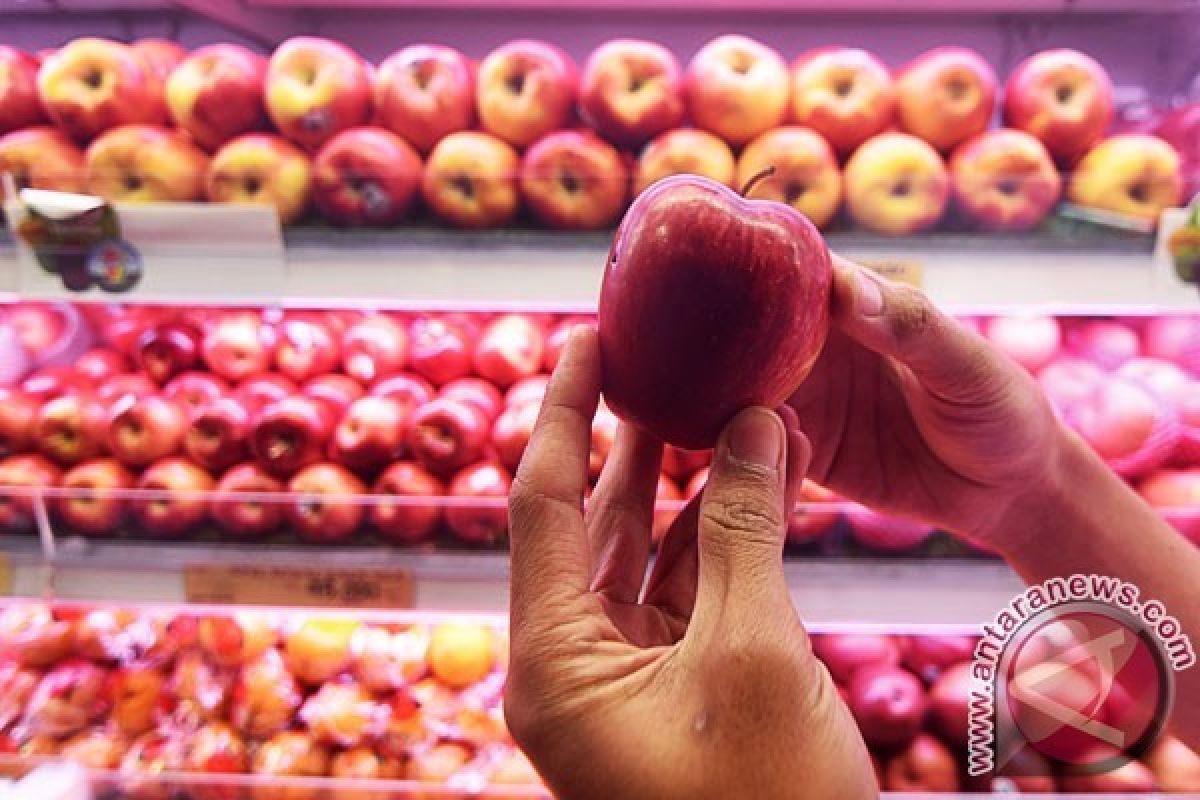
911 413
702 684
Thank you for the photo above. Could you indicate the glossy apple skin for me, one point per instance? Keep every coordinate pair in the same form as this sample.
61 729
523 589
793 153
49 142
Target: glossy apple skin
845 653
26 471
1032 101
574 180
631 90
511 432
926 765
194 390
71 428
425 92
439 351
487 522
446 434
291 434
316 88
478 392
888 703
849 118
218 434
373 348
243 517
146 164
183 508
946 95
306 349
144 429
510 349
406 521
470 180
101 364
365 176
166 350
260 391
985 169
215 94
43 158
323 508
691 251
370 434
261 169
542 100
238 345
94 513
405 388
19 103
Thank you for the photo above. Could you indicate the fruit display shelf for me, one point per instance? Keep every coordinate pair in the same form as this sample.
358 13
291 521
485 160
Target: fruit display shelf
1063 270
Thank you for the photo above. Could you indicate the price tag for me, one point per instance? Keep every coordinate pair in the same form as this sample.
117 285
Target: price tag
299 586
909 272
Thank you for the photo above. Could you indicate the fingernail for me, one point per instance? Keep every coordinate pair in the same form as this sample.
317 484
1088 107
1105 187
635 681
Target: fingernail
869 297
756 437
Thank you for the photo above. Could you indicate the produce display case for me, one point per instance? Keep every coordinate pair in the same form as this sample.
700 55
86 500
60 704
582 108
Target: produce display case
1095 302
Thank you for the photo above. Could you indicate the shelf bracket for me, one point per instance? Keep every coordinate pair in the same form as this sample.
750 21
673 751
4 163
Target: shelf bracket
267 27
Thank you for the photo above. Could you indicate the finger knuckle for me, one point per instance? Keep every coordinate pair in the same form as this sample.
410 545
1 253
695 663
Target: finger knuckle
750 514
525 502
913 316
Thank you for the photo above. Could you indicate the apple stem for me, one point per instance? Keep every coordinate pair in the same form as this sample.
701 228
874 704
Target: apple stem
756 179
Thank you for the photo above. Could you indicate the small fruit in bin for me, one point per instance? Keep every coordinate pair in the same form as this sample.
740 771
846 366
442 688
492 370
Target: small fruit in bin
739 259
325 505
949 704
928 655
71 428
17 684
33 636
343 714
843 93
510 349
439 763
425 92
42 158
446 434
470 180
1004 180
95 748
142 430
805 176
410 391
480 393
290 754
945 96
461 654
480 515
843 654
320 648
385 660
150 755
924 765
737 88
261 169
105 635
216 92
574 180
145 164
291 434
236 639
888 703
896 184
365 176
265 697
201 690
18 409
19 103
93 506
1064 98
374 348
247 517
1136 175
405 519
238 346
315 88
683 151
139 701
70 696
166 350
195 389
163 55
218 434
511 432
370 434
525 89
216 748
364 764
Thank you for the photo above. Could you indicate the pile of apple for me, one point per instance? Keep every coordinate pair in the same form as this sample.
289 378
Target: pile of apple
294 694
315 126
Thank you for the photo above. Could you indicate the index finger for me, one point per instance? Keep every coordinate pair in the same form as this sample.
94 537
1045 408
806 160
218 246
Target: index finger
548 540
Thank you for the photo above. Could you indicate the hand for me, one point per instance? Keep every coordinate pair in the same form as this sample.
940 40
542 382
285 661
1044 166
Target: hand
702 685
911 413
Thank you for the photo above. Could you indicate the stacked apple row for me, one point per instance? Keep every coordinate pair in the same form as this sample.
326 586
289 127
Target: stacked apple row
289 694
317 126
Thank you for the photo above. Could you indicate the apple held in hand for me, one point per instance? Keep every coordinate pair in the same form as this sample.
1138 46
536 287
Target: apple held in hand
896 184
1064 98
806 175
631 90
1004 180
946 96
43 158
684 151
90 85
690 252
215 94
261 169
20 106
526 88
574 180
737 88
843 93
470 180
425 92
365 176
315 88
1134 174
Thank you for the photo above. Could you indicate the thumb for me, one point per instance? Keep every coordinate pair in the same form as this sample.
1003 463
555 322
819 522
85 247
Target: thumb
742 524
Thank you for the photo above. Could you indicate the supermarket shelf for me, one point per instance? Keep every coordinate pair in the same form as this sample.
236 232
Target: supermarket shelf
912 6
425 267
827 591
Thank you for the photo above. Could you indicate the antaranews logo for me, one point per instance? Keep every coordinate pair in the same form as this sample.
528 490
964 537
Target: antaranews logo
1077 670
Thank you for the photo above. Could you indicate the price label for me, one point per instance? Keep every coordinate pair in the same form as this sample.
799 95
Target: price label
299 586
909 272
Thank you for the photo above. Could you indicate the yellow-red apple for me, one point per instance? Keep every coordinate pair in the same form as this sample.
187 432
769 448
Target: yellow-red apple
43 158
1004 180
1133 174
315 88
261 169
1063 97
146 164
216 94
946 96
843 93
161 55
527 88
470 180
425 92
19 103
365 176
684 151
92 84
737 88
574 180
805 175
896 184
631 91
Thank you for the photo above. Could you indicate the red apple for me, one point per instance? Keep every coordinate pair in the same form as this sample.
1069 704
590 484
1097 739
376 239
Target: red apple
306 349
527 390
1174 339
71 428
258 391
447 434
38 326
247 517
1004 180
680 463
315 88
510 349
1030 341
20 106
925 765
166 350
132 385
1067 381
142 430
1180 128
238 345
370 434
478 392
406 389
1064 98
120 327
43 158
470 180
950 702
27 472
886 533
1128 426
946 96
218 434
46 383
405 519
18 410
684 151
737 88
365 176
325 507
193 390
91 85
574 180
526 88
896 184
145 164
439 351
668 374
888 704
481 515
1176 492
631 91
805 175
162 55
216 94
845 653
425 92
261 169
101 364
94 506
511 432
179 501
1106 343
292 433
930 654
374 347
843 93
